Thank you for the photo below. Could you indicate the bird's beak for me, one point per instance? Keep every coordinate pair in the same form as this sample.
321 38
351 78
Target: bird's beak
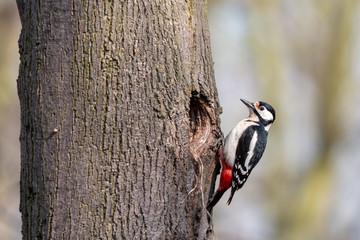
250 105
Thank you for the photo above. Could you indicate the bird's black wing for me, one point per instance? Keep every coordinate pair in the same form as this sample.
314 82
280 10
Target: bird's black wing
250 148
240 172
260 146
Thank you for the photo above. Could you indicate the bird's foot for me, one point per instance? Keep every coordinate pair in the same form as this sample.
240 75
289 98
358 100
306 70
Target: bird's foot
219 140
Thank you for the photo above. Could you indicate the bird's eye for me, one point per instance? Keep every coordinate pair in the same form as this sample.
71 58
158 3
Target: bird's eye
261 108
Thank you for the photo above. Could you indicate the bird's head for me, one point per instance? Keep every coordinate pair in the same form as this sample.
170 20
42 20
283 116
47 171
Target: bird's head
261 112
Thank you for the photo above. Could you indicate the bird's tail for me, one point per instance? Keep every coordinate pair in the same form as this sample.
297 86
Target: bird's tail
231 195
214 199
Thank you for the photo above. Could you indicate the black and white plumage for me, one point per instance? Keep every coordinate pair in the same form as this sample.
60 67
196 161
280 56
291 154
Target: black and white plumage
243 147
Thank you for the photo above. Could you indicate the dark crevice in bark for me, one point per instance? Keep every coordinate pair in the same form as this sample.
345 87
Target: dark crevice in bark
202 123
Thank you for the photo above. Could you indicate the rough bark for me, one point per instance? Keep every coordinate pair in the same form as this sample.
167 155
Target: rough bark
118 101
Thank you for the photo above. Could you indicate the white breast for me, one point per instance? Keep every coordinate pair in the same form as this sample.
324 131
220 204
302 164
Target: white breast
232 139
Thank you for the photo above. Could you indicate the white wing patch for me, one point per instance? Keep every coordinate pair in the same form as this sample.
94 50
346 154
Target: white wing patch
251 150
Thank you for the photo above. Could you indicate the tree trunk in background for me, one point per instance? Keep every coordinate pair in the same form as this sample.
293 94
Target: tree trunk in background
118 101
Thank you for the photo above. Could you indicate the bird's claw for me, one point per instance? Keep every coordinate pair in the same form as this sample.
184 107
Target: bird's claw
217 133
219 139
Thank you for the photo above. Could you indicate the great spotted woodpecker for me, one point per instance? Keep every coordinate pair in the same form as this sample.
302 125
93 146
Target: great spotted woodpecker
242 149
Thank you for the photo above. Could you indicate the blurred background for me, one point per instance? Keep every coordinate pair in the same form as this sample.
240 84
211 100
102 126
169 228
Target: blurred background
10 222
302 57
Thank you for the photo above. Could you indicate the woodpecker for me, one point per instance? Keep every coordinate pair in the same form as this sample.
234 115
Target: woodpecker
242 149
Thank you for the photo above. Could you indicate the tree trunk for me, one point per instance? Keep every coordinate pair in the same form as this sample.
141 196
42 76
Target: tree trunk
118 101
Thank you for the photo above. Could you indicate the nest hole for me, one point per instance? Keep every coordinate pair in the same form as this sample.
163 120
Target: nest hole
200 124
